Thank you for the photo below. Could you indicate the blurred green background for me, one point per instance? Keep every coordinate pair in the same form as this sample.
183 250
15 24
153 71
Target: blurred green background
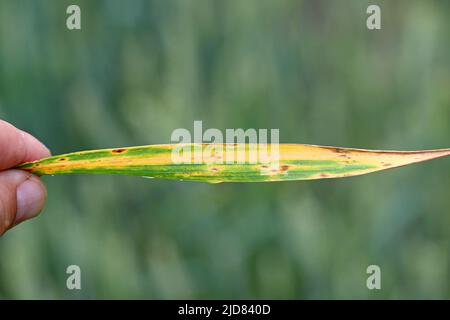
139 69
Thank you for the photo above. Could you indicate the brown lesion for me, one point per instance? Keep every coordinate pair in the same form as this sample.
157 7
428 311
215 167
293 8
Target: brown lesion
336 150
62 159
118 150
284 167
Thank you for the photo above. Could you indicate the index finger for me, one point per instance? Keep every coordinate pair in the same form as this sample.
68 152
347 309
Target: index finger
17 146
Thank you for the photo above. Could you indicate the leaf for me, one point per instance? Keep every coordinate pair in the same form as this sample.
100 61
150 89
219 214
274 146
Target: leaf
209 162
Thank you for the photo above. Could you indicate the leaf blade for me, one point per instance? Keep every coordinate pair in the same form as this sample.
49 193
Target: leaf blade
295 162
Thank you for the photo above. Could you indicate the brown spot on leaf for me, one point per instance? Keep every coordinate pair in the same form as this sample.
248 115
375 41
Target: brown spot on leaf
337 150
62 159
118 150
284 167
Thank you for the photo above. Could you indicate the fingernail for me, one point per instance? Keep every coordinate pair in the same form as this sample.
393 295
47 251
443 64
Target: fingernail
31 196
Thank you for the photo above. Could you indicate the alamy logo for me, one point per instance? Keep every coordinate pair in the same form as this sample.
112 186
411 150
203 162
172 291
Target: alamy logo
374 280
240 146
373 21
74 279
73 21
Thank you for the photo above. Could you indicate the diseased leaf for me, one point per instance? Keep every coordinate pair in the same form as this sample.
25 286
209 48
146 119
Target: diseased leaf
208 162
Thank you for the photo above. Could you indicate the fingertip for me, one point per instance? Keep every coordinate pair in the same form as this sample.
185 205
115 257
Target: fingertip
35 149
31 197
22 196
18 146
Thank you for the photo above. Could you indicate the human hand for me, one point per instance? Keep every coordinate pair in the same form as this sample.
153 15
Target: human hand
22 195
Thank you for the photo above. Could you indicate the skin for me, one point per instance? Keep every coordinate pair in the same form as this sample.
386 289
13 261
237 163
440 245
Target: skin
22 194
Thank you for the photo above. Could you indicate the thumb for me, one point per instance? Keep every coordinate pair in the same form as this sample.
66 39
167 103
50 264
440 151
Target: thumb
22 196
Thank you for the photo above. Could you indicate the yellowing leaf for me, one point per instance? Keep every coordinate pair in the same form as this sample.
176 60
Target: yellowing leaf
212 162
